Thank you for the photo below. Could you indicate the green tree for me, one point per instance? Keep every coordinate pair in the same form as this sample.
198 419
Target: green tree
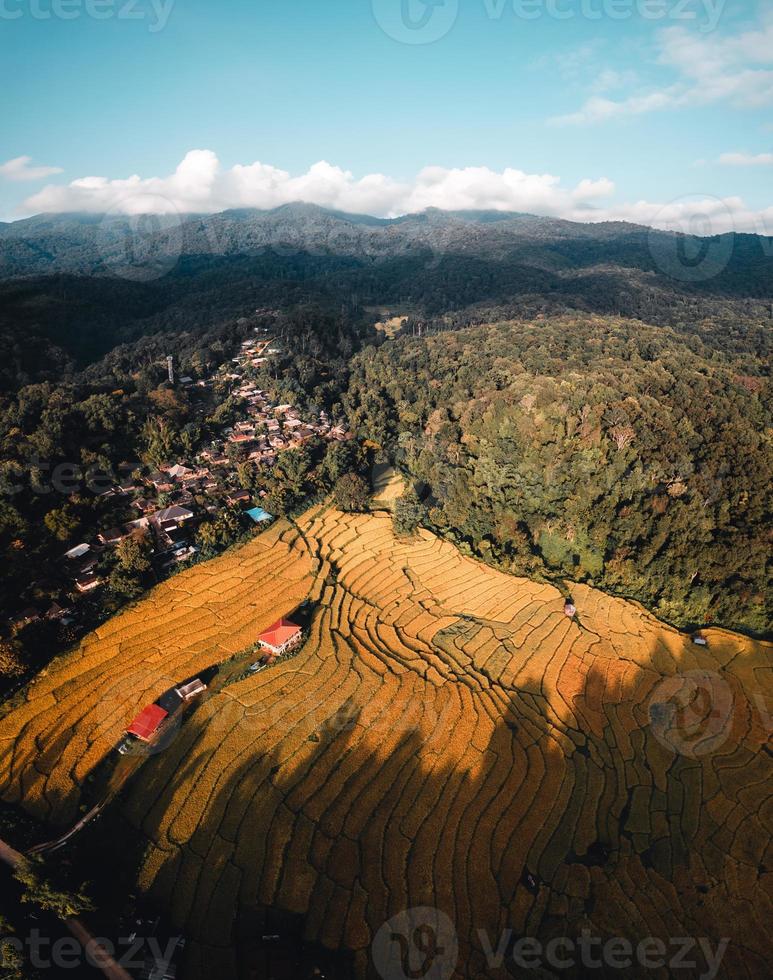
41 891
236 452
133 554
351 492
190 435
292 467
245 475
132 562
11 663
280 500
227 526
62 523
159 439
207 538
340 458
125 584
409 512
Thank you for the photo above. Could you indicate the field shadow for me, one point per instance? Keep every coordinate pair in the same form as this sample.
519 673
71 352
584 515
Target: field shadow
638 810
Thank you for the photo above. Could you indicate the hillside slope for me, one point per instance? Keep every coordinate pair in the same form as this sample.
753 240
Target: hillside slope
446 737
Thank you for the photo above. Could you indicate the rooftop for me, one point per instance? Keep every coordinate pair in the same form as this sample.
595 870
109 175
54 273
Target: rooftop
279 633
147 721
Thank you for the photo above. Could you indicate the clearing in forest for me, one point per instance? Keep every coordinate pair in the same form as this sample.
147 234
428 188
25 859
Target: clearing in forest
388 485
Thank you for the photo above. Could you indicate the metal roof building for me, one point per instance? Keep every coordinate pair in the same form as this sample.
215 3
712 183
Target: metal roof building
147 722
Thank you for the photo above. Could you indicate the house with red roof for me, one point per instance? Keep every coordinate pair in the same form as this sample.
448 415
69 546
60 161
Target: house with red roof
280 637
147 722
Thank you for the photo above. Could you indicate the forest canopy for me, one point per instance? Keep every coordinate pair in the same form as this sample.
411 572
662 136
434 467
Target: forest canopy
636 458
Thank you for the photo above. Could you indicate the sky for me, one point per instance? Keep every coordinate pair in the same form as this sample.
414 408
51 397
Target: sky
659 111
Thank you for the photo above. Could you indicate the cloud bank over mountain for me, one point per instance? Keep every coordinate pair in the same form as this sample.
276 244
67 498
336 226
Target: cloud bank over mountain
200 184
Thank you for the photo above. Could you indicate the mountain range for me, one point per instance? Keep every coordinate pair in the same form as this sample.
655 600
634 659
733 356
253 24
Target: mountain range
73 286
93 244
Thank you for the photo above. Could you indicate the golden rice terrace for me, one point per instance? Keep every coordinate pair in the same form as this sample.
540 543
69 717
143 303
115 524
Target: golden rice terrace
446 737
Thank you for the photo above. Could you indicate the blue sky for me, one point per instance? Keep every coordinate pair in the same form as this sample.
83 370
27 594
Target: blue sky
620 109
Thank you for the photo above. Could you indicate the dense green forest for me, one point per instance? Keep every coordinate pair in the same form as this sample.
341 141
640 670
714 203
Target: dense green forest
498 249
633 457
54 326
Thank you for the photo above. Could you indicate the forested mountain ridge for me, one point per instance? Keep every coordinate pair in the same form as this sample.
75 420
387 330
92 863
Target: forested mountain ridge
74 286
97 245
628 456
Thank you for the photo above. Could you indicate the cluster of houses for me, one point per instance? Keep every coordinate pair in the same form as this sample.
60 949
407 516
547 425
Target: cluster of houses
267 429
166 530
167 505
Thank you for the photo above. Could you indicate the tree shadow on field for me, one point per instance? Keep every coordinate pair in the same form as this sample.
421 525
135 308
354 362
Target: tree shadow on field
611 800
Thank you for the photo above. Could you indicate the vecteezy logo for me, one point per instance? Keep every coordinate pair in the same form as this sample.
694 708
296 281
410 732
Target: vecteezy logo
691 713
701 242
143 245
415 21
417 944
343 719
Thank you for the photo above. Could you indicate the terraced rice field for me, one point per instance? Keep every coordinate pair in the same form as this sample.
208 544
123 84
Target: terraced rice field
77 709
445 733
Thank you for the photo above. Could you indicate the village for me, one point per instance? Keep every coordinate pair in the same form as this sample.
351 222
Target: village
165 507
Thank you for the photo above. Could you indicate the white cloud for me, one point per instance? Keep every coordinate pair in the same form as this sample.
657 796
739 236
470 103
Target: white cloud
698 215
599 109
610 79
19 169
747 159
201 184
709 69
